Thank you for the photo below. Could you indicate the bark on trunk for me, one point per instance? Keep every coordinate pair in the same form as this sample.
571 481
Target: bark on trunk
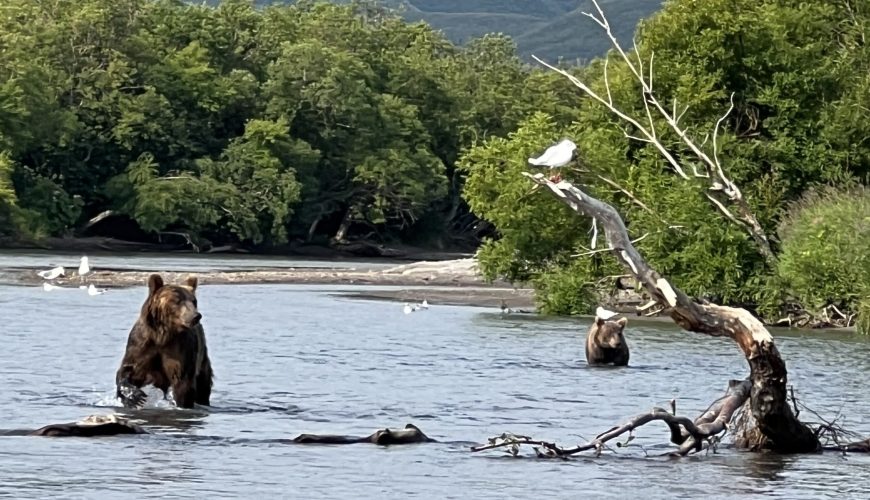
768 396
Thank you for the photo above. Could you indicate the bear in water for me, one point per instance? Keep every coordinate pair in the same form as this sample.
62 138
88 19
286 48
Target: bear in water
166 348
605 343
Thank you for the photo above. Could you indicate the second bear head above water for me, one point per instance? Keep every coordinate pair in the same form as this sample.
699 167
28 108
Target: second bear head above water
605 343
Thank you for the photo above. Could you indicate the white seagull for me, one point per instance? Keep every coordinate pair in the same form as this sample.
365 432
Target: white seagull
51 273
424 304
604 314
408 309
83 267
92 290
556 156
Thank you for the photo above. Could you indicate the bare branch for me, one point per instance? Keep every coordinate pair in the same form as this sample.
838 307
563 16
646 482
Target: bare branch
716 133
594 233
591 93
712 168
641 139
627 193
690 436
601 250
722 208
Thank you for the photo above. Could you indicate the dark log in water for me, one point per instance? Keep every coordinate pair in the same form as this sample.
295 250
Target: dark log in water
779 426
92 426
411 434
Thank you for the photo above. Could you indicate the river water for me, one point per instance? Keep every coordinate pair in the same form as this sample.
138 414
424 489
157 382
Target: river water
294 359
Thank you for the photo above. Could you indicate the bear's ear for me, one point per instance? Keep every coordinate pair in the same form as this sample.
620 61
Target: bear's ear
599 321
192 282
155 282
622 322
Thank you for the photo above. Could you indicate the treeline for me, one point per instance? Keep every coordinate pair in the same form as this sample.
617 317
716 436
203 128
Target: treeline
238 124
321 122
795 144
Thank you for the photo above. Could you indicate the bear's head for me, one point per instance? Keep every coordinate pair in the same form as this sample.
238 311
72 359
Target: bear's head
171 308
608 334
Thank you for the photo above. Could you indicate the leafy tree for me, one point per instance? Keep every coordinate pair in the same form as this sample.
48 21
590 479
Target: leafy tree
260 168
795 93
8 199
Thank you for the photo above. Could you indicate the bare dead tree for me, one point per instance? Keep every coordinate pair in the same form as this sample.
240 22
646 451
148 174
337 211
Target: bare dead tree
768 397
721 191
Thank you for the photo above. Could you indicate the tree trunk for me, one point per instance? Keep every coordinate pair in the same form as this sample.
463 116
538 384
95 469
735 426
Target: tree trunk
768 397
341 234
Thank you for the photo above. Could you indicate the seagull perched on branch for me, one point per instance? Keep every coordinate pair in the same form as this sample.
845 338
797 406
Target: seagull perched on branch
52 273
556 156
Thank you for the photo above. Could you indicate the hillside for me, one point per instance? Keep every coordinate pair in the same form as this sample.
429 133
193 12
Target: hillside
551 29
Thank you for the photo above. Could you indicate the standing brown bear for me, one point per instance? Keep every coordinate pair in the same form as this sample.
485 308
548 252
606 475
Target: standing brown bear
166 348
605 343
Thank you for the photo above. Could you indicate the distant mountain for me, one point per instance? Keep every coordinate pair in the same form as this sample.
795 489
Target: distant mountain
550 29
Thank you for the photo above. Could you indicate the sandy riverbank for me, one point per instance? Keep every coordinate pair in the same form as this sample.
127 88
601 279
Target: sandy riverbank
447 282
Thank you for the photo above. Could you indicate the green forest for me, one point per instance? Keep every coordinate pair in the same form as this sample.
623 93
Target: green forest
320 122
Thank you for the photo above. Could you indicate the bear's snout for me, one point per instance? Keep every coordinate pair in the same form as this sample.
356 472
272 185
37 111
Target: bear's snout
190 316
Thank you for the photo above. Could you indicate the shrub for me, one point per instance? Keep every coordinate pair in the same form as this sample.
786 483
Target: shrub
824 259
863 323
572 288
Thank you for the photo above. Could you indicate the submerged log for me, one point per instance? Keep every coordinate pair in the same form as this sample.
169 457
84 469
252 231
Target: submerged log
92 426
411 434
782 431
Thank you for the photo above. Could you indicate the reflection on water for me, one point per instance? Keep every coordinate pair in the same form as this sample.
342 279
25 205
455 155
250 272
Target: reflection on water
294 359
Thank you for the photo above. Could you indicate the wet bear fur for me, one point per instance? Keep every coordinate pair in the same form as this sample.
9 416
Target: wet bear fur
166 348
605 343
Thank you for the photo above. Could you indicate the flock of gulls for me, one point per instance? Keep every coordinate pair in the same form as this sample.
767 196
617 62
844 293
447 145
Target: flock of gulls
409 308
56 272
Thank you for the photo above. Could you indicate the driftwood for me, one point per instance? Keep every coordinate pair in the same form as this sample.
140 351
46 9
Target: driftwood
411 434
92 426
773 415
690 435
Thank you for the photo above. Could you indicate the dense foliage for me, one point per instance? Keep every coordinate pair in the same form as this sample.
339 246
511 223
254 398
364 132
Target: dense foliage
233 123
798 71
828 223
237 123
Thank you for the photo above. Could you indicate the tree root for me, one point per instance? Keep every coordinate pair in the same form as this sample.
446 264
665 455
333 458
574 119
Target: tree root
690 436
